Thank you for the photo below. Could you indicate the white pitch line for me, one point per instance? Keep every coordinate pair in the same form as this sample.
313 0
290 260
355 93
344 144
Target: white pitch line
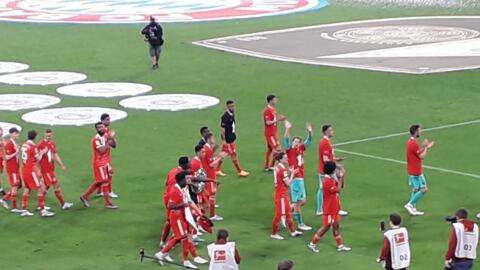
403 162
406 133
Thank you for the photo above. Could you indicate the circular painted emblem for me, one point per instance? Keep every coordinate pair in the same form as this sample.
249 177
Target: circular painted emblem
9 67
138 11
104 89
17 102
71 116
401 35
42 78
170 102
5 127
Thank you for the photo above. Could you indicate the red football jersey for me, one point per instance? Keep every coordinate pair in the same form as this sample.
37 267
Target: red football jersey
47 163
296 159
325 148
171 181
280 175
107 135
1 153
99 159
12 164
207 159
177 196
414 162
29 152
331 200
270 114
196 168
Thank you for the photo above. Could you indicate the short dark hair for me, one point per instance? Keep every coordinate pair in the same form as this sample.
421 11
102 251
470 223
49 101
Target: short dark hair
329 167
48 130
32 134
296 137
13 130
285 265
202 129
229 102
270 97
414 128
396 219
182 161
222 234
104 116
208 136
279 156
181 175
462 213
97 124
198 148
326 127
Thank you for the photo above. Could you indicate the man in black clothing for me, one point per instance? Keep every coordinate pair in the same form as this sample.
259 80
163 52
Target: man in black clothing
153 33
229 135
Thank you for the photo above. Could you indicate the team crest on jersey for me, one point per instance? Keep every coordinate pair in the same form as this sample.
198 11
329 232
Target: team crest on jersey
138 11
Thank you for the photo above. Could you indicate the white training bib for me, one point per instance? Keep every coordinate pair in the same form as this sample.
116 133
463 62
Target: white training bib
466 241
222 257
399 247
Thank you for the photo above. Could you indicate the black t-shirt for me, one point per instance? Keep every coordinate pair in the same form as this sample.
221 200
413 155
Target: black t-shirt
154 33
228 123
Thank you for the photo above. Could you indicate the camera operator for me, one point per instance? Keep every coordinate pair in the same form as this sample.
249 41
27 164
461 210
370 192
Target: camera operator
462 248
153 33
395 253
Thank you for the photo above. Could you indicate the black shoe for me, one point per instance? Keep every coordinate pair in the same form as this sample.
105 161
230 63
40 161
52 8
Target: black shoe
154 66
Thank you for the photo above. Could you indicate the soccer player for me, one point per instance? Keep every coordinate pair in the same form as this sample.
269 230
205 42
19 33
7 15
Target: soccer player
210 163
12 153
105 119
270 120
282 178
415 157
223 254
177 202
198 171
331 208
326 153
2 192
229 135
100 144
395 252
295 149
31 175
203 132
47 167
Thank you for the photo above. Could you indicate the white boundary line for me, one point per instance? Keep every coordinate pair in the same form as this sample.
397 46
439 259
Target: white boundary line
477 121
476 176
208 44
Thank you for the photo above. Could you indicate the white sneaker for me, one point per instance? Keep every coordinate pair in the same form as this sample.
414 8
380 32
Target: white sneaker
304 227
410 209
478 215
200 229
200 260
112 195
217 206
99 194
4 204
197 239
168 258
189 265
313 248
296 233
343 213
26 213
16 210
46 213
216 218
67 205
343 248
319 213
160 256
418 213
283 221
276 236
45 207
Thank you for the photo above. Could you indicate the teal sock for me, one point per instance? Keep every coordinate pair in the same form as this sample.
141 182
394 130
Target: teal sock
300 218
416 197
319 200
297 218
411 198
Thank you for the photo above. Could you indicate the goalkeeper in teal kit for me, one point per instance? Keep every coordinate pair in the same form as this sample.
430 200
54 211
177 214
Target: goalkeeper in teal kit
295 149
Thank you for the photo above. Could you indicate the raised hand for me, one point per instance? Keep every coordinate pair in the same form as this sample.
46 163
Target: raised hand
288 125
309 127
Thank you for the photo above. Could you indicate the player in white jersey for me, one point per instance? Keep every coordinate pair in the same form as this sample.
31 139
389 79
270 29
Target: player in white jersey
223 254
395 252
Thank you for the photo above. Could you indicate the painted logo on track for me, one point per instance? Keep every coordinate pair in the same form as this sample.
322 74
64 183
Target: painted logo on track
138 11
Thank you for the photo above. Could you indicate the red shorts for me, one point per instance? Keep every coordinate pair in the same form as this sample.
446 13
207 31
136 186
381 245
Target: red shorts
31 180
202 198
1 164
179 226
102 173
14 180
330 219
49 179
282 205
272 141
211 188
230 149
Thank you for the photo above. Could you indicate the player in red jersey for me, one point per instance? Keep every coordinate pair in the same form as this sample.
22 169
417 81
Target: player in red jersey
331 208
326 153
31 175
198 171
101 165
12 153
210 163
47 167
105 119
415 157
270 120
282 178
177 202
2 143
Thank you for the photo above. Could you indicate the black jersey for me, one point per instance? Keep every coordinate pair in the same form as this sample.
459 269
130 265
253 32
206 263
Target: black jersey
228 123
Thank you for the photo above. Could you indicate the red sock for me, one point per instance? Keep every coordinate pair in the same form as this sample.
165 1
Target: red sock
185 249
91 189
25 201
170 244
106 196
219 165
237 165
41 199
268 154
14 200
338 240
211 205
58 194
7 196
166 231
110 186
192 248
316 239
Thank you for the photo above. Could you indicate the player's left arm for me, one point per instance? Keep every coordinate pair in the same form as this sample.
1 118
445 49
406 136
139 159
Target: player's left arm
112 139
309 138
286 135
59 161
215 161
237 256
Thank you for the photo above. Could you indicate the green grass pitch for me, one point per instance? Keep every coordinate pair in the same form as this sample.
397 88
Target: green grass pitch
359 103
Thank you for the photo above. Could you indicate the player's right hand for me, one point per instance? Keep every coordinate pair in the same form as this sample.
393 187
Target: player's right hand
281 117
288 125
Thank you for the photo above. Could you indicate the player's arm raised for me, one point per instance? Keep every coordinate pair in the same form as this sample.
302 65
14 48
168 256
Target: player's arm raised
215 161
102 148
422 153
309 138
286 135
112 140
